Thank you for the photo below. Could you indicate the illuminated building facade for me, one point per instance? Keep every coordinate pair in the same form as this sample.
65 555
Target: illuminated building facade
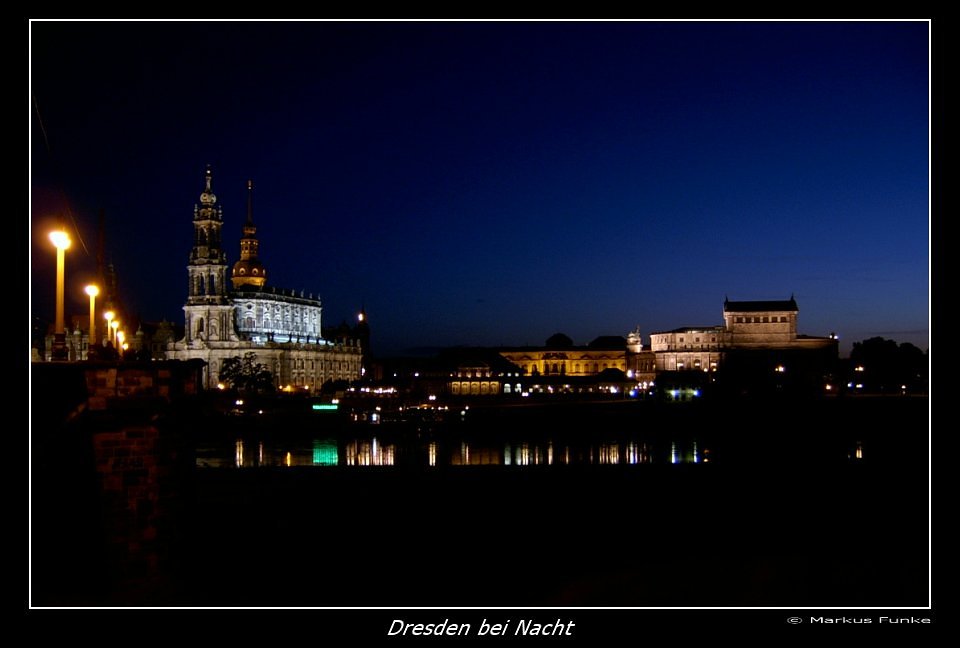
754 329
281 327
559 357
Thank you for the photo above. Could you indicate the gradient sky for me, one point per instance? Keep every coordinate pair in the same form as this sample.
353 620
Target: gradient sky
489 183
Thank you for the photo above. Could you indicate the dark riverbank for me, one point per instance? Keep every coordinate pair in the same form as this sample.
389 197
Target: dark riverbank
785 513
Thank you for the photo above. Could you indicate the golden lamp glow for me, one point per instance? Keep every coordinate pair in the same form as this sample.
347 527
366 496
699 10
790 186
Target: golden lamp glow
60 239
92 290
109 315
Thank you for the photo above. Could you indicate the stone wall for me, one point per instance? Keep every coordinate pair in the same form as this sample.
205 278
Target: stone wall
111 467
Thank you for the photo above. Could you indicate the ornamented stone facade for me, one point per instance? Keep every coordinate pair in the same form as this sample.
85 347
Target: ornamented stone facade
281 327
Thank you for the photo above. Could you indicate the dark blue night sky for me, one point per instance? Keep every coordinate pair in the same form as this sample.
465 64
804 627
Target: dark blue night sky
489 183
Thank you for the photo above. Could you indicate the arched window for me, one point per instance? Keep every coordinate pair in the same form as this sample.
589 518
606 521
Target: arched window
200 327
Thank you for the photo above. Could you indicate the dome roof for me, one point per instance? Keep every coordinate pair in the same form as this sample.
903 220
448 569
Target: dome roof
249 271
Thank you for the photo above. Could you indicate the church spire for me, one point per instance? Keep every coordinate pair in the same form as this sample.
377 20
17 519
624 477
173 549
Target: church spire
249 271
250 202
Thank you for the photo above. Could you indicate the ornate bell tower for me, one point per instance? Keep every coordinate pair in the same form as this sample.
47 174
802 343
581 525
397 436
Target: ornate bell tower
209 313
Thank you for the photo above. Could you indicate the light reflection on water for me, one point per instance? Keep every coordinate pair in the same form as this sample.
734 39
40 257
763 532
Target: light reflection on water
375 451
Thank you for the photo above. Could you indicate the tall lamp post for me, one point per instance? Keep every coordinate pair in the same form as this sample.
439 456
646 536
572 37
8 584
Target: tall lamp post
93 291
109 315
61 241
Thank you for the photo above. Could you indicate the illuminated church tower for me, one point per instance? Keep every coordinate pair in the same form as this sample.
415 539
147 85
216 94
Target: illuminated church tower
208 311
249 271
282 328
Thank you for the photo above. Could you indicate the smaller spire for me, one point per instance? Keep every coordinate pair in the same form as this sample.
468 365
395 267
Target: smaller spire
209 179
250 201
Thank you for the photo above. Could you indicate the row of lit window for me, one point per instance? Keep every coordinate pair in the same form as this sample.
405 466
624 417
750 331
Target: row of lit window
696 365
760 320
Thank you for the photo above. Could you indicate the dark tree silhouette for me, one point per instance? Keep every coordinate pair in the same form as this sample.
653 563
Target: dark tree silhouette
883 365
246 374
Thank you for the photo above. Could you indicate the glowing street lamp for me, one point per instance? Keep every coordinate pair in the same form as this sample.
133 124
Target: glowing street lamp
93 291
115 324
61 241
